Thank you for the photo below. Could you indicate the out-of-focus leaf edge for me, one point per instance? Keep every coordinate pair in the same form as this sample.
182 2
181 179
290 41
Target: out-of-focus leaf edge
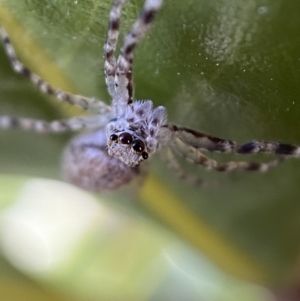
182 220
160 200
13 290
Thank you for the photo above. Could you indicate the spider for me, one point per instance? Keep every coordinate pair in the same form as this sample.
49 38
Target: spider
120 137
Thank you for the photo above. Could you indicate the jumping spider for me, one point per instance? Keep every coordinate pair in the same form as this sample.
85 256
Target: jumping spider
128 132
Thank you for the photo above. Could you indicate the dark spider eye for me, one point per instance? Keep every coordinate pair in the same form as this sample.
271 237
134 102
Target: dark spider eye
113 137
138 145
145 155
125 138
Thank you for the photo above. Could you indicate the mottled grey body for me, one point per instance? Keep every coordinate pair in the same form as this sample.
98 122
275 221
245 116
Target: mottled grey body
128 132
87 164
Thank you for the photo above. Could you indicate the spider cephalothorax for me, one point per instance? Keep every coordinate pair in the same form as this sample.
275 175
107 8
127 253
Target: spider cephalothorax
134 136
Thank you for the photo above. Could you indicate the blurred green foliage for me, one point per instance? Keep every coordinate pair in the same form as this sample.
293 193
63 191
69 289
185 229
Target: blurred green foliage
229 68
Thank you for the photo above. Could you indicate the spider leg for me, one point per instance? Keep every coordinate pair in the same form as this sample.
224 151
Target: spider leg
201 140
85 103
110 45
195 156
173 165
206 142
123 77
57 126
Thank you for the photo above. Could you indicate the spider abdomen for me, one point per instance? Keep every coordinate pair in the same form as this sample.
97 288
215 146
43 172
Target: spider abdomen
86 163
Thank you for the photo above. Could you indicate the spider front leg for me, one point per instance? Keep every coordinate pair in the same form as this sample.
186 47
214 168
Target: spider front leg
85 103
110 46
210 143
123 78
194 155
56 126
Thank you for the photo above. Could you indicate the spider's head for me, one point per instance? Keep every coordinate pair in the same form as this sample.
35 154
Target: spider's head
127 147
134 136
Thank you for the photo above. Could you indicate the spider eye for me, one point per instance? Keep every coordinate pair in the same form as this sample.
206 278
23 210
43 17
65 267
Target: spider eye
138 145
113 137
145 155
125 138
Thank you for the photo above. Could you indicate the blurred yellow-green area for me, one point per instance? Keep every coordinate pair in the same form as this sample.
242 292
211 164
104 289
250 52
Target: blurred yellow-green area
230 68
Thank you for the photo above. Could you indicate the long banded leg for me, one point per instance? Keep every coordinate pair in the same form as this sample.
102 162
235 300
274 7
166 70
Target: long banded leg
111 44
123 78
172 163
203 141
85 103
195 156
57 126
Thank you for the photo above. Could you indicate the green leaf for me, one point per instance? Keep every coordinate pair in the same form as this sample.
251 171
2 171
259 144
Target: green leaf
228 68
